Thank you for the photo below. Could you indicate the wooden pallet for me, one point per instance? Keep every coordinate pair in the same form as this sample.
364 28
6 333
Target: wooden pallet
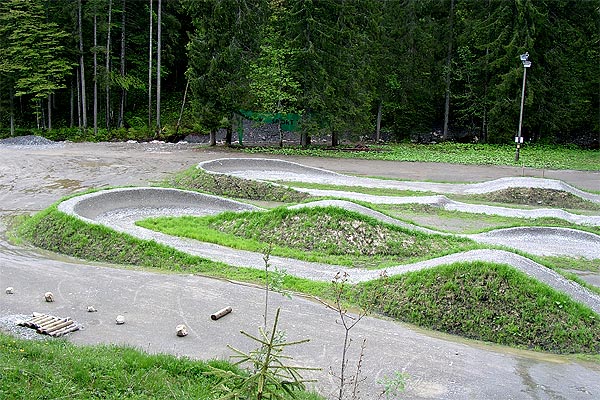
50 325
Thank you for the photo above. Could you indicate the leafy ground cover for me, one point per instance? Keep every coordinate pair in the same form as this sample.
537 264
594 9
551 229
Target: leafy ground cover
321 234
56 369
487 301
532 156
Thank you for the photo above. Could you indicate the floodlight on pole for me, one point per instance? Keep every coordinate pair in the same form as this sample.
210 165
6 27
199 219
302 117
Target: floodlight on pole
519 139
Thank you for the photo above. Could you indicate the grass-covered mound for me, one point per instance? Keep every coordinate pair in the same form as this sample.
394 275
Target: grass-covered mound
231 186
489 302
55 369
56 231
324 234
59 232
536 197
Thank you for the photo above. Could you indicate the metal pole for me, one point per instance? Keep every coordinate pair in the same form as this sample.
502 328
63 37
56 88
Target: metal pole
521 115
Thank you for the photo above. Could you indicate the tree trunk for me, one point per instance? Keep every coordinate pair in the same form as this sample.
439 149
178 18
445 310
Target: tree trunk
81 69
50 111
212 141
107 66
158 59
78 99
228 135
72 117
280 131
95 72
378 126
150 69
11 94
187 85
304 139
448 72
335 141
123 90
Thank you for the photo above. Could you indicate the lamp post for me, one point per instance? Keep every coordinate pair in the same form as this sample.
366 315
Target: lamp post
519 138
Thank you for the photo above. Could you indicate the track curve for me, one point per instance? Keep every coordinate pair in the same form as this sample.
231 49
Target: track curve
120 208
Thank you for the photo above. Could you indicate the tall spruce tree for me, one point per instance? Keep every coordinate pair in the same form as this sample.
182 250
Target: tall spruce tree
32 60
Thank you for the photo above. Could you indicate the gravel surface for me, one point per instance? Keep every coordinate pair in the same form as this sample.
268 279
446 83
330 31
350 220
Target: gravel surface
30 142
8 324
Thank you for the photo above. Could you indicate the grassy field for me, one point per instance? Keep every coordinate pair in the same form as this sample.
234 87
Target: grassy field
56 369
532 156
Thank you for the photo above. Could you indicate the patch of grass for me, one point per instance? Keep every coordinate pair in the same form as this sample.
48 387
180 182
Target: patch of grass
579 264
320 234
231 186
56 369
58 232
532 156
533 197
462 222
489 302
357 189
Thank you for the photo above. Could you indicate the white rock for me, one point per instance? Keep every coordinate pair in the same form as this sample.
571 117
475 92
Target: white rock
181 330
10 290
91 309
49 297
120 320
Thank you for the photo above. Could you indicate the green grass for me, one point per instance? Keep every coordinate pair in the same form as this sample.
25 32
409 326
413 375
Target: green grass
538 198
357 189
462 222
321 234
489 302
532 156
56 369
579 264
56 231
231 186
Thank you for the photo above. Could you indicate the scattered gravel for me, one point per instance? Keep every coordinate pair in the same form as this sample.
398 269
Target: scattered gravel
8 324
29 141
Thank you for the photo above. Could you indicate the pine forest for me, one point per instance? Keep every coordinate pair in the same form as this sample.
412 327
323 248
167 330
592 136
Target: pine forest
120 69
